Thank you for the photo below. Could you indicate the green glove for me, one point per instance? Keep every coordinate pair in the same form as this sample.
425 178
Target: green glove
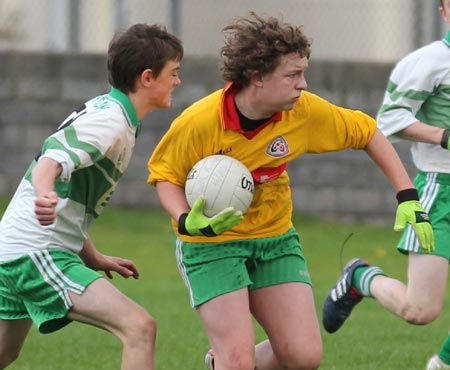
445 140
410 211
196 223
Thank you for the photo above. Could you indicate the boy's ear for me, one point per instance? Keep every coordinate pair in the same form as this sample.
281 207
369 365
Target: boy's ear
256 79
147 77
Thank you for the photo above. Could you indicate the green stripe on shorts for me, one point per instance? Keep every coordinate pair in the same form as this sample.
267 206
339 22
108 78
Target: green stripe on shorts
37 286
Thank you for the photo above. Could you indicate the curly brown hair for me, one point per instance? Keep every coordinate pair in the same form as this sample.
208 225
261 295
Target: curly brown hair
256 44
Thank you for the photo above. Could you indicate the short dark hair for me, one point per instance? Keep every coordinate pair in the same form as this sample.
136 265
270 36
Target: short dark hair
256 44
139 48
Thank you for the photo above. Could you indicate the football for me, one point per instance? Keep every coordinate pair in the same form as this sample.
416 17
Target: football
223 181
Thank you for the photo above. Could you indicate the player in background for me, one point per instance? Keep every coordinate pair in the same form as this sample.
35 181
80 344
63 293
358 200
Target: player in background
416 107
237 268
47 260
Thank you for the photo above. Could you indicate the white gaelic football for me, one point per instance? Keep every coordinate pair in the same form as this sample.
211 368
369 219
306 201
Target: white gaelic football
223 181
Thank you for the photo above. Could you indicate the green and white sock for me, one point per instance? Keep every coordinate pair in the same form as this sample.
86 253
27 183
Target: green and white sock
363 277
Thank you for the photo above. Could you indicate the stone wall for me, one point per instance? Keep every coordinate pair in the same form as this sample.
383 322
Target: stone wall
37 91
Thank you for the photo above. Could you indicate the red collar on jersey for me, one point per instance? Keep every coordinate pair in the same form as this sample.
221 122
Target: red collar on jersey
230 118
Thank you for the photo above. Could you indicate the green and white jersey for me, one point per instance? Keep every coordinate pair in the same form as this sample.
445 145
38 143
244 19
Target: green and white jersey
94 146
419 89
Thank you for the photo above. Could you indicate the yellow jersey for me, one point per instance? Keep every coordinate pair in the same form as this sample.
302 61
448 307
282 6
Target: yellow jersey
211 126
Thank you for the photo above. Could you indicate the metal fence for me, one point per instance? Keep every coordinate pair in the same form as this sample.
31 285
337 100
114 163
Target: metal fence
357 30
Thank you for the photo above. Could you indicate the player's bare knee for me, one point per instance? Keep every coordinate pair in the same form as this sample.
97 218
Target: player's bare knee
420 315
422 319
141 328
149 324
300 360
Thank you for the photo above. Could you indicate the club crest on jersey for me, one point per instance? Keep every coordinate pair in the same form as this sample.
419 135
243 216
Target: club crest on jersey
278 147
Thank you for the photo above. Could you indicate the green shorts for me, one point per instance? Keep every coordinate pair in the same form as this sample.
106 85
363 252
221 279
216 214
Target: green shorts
37 286
434 191
212 269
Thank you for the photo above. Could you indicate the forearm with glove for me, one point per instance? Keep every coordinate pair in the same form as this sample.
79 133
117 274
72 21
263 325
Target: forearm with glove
410 211
196 223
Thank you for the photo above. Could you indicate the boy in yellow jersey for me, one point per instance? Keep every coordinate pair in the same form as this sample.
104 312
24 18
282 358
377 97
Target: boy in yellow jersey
241 266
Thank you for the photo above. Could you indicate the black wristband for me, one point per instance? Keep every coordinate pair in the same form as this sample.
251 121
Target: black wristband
206 231
407 194
182 224
444 140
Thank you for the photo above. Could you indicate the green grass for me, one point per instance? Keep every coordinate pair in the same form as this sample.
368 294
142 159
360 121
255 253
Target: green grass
372 339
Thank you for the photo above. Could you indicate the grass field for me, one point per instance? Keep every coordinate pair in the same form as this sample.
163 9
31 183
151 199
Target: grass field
371 340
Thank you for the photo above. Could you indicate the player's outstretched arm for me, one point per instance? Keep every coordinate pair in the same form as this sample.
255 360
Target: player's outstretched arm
108 264
410 210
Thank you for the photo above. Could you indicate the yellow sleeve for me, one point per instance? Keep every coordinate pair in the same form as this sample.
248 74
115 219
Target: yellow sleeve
334 128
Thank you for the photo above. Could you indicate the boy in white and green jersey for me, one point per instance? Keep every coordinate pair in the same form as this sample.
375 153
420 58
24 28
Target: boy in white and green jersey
93 147
416 107
48 263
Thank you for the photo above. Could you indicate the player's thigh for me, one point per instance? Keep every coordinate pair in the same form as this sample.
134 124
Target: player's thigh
228 322
427 279
12 336
105 306
288 315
